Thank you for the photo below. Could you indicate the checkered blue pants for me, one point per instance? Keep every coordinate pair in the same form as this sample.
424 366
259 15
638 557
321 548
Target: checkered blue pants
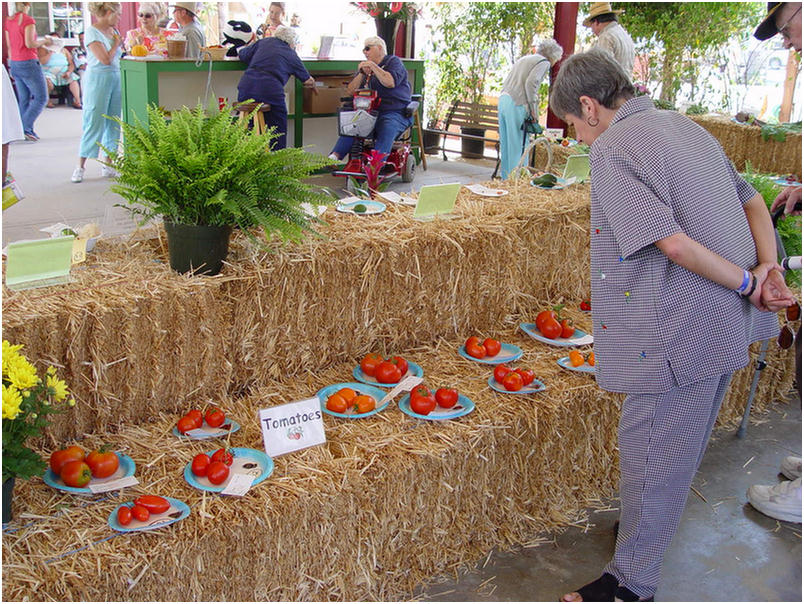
662 439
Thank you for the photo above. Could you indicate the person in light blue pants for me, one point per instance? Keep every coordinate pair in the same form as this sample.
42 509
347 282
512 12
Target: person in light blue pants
101 87
520 97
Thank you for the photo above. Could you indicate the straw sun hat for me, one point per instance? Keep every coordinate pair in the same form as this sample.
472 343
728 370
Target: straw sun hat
597 9
192 7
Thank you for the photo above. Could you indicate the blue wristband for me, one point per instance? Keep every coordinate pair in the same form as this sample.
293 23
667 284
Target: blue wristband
744 284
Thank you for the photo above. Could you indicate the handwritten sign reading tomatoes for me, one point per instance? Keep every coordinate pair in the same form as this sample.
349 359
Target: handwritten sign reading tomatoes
292 426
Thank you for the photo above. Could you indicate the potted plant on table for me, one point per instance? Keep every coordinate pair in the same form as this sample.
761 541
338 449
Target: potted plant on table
205 174
27 401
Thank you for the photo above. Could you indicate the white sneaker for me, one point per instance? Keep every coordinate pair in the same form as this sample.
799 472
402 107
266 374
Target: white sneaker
791 467
333 157
78 175
107 172
782 501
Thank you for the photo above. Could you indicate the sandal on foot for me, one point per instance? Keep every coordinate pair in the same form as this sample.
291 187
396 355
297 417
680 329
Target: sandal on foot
623 594
599 590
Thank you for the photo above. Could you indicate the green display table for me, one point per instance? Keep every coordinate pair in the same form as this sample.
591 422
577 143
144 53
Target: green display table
174 83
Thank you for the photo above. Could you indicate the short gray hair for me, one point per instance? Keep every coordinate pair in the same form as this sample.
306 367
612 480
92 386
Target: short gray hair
594 74
286 34
550 50
376 41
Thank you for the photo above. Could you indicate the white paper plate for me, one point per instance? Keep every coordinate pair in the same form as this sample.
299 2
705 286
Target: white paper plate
579 338
372 207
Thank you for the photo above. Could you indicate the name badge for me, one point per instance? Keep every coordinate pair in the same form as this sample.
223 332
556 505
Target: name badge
292 426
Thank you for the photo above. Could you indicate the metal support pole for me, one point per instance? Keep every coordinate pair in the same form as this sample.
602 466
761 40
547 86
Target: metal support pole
760 366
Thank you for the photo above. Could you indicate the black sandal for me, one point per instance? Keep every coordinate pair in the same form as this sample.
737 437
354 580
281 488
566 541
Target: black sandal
623 594
599 590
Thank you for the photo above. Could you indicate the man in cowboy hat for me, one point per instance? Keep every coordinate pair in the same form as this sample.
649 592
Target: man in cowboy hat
185 15
782 501
602 20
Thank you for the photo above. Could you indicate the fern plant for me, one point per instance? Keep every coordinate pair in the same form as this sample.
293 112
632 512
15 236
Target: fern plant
204 168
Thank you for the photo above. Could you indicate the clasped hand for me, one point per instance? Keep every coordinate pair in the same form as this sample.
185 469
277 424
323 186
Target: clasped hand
771 293
367 67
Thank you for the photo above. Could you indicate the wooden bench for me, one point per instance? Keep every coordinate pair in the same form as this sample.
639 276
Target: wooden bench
471 115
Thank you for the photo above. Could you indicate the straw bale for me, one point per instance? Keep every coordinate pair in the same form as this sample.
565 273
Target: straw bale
743 143
343 520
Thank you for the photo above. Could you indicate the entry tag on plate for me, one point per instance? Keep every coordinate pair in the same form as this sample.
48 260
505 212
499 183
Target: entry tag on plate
239 484
583 340
408 384
114 485
292 426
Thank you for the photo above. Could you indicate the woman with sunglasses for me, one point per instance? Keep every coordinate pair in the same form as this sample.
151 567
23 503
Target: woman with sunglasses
147 32
386 74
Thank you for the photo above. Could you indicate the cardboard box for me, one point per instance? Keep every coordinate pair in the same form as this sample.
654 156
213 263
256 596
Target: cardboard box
330 90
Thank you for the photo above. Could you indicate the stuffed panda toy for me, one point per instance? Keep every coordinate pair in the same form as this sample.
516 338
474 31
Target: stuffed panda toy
235 35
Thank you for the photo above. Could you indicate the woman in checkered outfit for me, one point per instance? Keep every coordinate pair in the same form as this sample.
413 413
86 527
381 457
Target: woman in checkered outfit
683 271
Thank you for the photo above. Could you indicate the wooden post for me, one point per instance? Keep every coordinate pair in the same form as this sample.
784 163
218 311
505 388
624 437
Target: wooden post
564 33
789 87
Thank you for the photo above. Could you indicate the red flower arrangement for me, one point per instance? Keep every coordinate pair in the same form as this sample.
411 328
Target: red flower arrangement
388 10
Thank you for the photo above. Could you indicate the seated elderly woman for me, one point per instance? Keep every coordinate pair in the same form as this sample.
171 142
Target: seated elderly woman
271 62
683 264
520 98
59 69
387 75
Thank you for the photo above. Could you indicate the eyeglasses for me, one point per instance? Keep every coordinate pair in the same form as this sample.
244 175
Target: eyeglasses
786 335
366 48
144 15
783 29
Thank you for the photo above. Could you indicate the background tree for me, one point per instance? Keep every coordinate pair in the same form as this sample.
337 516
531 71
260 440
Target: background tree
674 32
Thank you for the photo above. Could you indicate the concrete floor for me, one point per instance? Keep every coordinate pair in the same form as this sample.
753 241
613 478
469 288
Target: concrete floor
724 549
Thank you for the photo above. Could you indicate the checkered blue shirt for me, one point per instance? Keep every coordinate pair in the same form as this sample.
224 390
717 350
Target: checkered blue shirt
656 324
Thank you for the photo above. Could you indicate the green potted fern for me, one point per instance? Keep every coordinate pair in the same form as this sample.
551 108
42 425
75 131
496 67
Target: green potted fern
204 174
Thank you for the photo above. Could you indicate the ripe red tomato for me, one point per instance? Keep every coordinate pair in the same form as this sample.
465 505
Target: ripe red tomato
387 373
527 376
500 371
586 305
185 424
543 316
476 350
492 346
512 382
369 363
401 363
551 329
124 515
422 405
567 328
61 457
446 397
200 464
102 463
218 472
363 403
140 513
153 503
75 474
420 391
196 416
222 455
470 341
337 404
215 417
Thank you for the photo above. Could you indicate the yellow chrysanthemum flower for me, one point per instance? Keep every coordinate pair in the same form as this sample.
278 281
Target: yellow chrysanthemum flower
22 374
12 399
57 387
10 355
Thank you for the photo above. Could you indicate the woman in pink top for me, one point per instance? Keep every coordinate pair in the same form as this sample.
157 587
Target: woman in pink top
24 66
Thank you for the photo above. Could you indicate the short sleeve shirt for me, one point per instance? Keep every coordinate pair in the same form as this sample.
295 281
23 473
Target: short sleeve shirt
270 62
398 97
656 324
616 40
16 37
93 34
195 39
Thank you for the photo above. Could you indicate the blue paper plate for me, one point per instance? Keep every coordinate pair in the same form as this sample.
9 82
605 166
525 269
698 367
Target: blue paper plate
463 407
413 369
533 332
126 468
507 354
534 386
178 510
372 391
264 468
786 183
211 432
372 207
585 368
